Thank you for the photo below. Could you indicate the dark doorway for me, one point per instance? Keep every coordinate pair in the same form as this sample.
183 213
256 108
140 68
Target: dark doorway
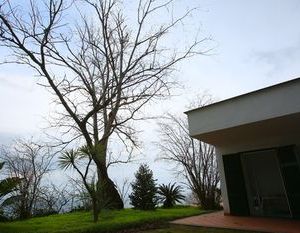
235 183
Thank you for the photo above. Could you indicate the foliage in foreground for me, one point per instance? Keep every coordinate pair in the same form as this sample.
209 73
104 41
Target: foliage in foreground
28 161
7 186
110 221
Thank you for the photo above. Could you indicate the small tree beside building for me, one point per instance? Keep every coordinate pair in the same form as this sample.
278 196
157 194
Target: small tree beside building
194 160
144 189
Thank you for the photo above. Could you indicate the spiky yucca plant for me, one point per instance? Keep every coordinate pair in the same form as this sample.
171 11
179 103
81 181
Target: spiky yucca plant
170 194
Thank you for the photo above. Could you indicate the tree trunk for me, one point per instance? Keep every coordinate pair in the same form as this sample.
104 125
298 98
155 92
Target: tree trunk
207 202
96 210
108 194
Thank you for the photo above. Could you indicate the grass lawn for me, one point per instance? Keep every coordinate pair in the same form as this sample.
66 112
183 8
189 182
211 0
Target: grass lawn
110 221
187 229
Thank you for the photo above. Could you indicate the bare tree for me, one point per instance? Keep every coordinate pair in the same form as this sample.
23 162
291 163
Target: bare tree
102 71
30 162
195 160
123 188
80 198
52 199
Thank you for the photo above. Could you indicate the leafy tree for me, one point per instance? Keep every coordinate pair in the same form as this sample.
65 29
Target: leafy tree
170 194
7 186
144 189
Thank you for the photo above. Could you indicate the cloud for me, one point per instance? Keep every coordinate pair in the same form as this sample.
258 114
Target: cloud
279 60
17 83
6 138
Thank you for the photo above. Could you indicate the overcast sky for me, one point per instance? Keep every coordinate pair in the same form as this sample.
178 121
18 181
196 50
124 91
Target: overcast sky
256 44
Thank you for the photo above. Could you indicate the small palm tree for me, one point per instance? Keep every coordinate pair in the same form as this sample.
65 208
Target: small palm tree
170 194
7 186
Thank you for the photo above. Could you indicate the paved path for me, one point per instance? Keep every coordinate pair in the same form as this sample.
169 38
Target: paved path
218 220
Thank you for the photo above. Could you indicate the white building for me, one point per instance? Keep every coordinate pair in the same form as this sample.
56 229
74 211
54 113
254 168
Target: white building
257 138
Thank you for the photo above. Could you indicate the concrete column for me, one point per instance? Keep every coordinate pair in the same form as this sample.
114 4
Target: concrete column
223 182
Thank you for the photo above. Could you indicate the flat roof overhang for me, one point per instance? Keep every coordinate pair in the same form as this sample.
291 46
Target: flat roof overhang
285 126
264 113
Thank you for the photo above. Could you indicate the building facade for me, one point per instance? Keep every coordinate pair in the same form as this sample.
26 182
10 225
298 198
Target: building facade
257 139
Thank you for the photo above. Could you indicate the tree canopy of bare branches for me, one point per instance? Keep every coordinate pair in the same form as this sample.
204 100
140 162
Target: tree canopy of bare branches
52 199
102 70
29 162
195 160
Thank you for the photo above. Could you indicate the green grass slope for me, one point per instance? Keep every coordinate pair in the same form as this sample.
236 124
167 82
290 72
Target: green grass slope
110 221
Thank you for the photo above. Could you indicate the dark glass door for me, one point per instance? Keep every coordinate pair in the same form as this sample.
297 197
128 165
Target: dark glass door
289 162
264 184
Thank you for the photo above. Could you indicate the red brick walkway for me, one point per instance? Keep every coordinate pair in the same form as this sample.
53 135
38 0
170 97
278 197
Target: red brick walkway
218 220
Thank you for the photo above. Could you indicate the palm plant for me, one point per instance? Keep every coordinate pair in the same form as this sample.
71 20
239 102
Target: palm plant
7 186
81 160
170 194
